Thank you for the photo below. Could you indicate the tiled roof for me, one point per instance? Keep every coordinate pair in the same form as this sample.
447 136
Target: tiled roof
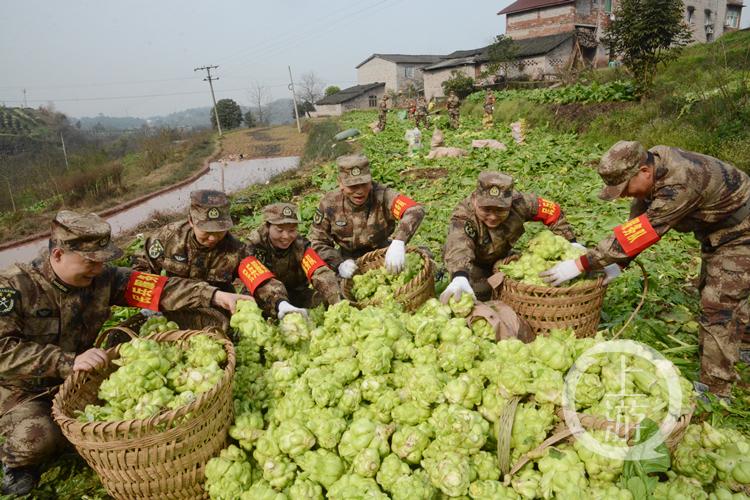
349 93
524 5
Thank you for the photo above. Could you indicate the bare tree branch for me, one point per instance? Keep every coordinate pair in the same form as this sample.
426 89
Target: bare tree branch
259 98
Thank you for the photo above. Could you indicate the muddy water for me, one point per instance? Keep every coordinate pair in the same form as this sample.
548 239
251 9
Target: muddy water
237 175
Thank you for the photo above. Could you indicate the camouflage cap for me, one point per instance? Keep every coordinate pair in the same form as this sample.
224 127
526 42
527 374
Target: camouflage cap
85 234
494 189
209 210
619 165
280 213
354 169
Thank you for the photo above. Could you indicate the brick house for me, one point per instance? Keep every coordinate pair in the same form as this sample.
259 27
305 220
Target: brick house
709 19
398 71
357 97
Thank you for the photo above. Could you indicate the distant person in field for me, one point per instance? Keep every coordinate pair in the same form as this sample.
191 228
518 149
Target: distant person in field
690 193
382 112
454 105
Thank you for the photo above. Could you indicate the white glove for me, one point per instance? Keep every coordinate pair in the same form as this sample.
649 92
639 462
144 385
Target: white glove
562 272
395 256
458 286
611 272
347 269
287 308
577 245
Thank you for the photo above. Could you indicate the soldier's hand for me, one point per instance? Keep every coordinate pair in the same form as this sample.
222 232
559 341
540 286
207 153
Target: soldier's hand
347 269
562 272
287 308
91 360
395 257
227 300
457 287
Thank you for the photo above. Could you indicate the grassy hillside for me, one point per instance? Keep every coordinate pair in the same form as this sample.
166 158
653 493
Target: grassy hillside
699 102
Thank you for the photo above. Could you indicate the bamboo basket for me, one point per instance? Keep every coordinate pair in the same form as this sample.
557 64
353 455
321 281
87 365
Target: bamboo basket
412 295
545 308
162 457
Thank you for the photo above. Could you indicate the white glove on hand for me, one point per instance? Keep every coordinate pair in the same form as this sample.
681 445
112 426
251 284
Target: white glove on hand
579 246
287 308
347 269
395 257
611 272
458 286
562 272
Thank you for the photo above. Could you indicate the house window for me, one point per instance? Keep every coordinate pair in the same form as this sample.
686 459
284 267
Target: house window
690 13
408 71
608 6
733 18
372 101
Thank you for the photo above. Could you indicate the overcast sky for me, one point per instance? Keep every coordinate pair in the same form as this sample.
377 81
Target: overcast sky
136 57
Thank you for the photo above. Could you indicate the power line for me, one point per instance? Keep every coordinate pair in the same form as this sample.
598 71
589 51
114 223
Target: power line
103 84
211 85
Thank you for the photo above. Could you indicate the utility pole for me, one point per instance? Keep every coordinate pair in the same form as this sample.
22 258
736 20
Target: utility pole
24 99
210 80
65 153
294 98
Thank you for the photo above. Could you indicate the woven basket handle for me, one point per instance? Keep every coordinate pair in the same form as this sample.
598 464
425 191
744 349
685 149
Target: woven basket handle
536 452
496 280
504 428
105 334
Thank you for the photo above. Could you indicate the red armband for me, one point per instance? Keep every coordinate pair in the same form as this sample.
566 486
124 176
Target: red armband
311 262
547 211
253 273
636 235
400 205
144 290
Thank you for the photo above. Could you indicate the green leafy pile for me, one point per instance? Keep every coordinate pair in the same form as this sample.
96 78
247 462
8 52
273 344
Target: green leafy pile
154 376
544 251
378 402
379 285
618 90
156 324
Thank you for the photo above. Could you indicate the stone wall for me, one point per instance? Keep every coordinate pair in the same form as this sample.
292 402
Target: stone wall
541 22
364 101
433 80
378 70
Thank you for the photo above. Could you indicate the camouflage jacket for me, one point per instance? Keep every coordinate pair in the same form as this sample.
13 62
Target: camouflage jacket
453 103
692 193
45 323
471 243
174 250
290 268
358 230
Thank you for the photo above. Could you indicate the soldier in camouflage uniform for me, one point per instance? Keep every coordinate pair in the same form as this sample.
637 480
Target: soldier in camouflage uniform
361 216
453 104
687 192
50 314
489 109
282 264
382 112
485 226
420 114
200 247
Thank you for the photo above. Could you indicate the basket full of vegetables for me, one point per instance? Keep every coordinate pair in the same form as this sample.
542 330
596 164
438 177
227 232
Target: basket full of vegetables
544 307
149 421
373 285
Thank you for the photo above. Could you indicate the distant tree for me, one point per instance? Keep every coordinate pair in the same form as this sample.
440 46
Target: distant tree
249 119
310 88
332 89
304 108
459 83
646 33
260 97
229 113
502 56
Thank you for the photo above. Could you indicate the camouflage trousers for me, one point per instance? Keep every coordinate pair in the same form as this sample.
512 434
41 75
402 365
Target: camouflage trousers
725 316
453 115
30 436
381 120
421 118
478 280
